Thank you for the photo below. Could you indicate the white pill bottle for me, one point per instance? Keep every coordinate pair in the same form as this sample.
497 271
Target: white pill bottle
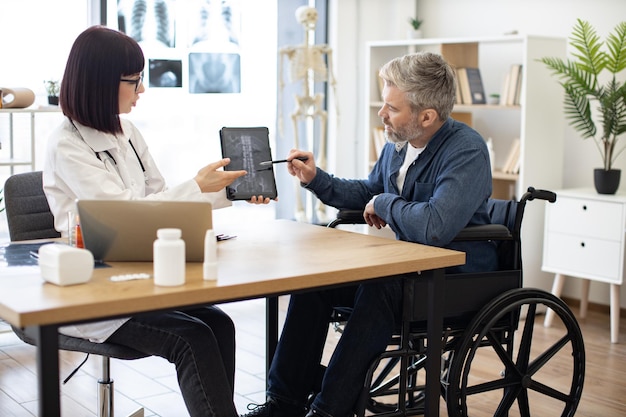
169 258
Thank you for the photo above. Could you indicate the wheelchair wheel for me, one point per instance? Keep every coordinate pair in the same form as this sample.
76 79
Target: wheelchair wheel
384 383
528 361
383 393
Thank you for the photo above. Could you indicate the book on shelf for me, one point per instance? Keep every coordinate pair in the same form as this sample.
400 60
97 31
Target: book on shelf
511 89
378 136
459 98
471 86
463 82
477 91
512 162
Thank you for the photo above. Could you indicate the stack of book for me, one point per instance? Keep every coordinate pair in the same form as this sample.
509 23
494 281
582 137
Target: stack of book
378 136
511 165
470 88
512 86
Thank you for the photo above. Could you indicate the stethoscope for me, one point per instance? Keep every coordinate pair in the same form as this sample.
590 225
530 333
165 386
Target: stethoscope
109 161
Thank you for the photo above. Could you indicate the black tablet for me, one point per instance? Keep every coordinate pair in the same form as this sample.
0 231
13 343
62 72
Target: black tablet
247 147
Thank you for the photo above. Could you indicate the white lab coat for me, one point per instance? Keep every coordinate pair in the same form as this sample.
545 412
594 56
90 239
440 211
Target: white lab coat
73 171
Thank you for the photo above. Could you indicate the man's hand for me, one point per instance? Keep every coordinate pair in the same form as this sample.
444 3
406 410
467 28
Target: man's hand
305 171
370 216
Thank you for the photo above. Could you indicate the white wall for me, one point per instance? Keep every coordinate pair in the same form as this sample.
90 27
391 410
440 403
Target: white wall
358 21
181 129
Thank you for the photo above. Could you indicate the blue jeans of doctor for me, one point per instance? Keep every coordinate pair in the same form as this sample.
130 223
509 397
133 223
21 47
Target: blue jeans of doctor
296 363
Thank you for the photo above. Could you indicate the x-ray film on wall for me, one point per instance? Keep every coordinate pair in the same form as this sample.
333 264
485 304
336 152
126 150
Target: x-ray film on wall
189 44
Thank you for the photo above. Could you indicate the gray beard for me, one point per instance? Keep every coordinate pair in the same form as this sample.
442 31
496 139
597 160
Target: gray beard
393 138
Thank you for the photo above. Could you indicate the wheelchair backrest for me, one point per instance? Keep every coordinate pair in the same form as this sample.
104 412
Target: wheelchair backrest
510 213
505 212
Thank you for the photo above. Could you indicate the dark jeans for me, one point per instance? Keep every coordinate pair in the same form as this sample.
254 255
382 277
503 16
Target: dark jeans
296 364
200 342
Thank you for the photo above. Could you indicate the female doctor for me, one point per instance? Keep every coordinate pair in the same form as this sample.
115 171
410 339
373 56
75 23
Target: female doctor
94 154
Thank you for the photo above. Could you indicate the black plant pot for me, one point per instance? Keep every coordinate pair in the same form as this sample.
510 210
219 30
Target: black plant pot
606 182
53 100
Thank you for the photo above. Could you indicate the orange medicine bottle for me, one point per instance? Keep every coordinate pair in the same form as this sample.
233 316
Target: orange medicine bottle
79 237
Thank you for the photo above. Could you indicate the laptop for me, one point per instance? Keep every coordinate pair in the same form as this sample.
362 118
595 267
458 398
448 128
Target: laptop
125 230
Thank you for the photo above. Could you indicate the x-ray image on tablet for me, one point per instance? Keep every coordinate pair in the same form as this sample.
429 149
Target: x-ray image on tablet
247 147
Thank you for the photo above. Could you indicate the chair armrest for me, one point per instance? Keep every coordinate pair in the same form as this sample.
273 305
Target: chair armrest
480 232
348 216
484 232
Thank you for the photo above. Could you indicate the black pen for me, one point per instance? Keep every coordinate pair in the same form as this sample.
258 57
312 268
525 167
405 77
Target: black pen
280 161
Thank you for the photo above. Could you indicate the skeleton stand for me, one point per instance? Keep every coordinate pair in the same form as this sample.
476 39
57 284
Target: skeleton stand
307 65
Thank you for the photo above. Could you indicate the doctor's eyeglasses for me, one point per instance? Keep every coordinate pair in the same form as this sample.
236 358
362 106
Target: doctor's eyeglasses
135 81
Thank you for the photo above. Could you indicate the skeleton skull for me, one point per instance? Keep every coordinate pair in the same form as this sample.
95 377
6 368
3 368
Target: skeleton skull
306 16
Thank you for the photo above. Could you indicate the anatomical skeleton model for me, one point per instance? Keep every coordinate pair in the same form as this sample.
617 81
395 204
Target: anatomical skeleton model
307 65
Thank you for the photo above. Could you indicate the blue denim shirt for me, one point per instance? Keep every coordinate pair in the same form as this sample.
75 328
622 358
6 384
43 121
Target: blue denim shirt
446 189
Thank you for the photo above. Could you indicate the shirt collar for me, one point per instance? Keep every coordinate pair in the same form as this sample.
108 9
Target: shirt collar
97 140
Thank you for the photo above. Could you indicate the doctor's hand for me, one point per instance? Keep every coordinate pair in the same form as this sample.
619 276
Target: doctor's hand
305 171
211 180
260 200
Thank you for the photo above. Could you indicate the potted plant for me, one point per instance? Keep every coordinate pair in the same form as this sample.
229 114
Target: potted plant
415 31
52 89
494 98
595 102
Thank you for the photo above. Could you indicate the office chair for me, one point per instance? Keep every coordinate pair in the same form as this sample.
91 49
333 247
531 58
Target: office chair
29 217
482 312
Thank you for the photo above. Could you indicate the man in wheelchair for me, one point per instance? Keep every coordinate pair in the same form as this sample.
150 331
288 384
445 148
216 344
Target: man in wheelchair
432 179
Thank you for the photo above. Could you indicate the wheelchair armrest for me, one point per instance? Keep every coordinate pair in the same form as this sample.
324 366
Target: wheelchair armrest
484 232
351 215
480 232
348 216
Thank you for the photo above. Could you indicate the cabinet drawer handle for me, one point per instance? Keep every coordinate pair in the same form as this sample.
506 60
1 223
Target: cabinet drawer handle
582 244
584 207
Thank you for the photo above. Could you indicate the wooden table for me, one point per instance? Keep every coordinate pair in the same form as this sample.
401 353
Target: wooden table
264 260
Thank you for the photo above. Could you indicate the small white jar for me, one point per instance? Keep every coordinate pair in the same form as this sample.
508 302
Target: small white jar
169 258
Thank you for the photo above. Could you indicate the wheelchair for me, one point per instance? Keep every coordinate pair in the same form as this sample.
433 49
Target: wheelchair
488 318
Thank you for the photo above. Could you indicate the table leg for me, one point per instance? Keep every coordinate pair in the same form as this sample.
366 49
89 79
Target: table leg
47 341
436 293
271 331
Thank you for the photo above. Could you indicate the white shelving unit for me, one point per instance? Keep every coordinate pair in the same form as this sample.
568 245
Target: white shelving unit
9 154
538 121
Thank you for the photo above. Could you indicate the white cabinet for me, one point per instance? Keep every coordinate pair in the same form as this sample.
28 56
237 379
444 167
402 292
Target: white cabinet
584 238
12 152
538 121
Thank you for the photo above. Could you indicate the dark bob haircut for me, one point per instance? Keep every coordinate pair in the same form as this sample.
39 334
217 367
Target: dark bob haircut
90 88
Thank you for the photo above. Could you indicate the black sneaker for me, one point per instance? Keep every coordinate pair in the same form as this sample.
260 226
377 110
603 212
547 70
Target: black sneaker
274 408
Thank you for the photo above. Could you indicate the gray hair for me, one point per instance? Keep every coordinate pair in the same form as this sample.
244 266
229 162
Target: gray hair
427 79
